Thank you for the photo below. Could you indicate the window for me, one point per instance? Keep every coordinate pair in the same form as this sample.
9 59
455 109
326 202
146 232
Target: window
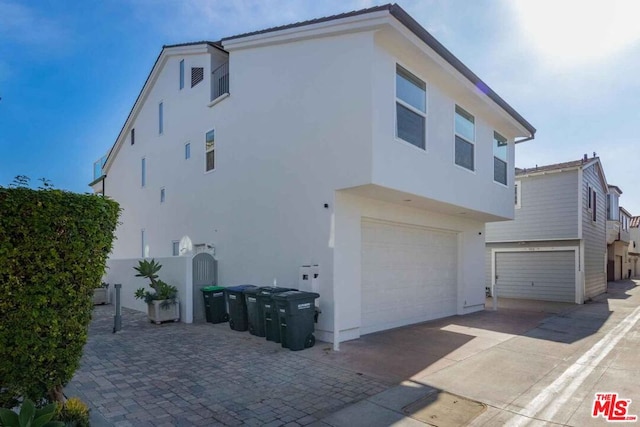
499 158
133 136
613 210
182 74
465 138
160 118
594 214
590 197
197 75
411 108
187 151
209 147
518 194
175 248
143 244
143 171
162 195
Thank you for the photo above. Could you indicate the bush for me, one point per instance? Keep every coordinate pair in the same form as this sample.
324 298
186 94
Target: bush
53 250
74 413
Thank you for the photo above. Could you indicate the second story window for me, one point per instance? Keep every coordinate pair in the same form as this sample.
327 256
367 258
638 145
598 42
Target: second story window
209 148
161 118
411 108
465 134
499 158
133 136
143 170
594 210
187 151
162 195
517 187
181 74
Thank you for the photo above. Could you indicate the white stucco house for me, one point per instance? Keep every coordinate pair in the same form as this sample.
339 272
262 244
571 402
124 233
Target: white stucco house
355 143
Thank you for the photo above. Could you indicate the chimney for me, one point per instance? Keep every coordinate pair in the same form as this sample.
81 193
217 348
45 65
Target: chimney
585 158
594 154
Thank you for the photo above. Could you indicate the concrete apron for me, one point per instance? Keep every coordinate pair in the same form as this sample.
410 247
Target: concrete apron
527 361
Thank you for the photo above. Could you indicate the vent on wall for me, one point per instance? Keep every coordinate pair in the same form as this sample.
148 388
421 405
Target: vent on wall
197 75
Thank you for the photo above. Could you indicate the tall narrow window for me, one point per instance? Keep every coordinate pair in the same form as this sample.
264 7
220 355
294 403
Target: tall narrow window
143 170
187 151
594 216
210 148
162 195
143 244
160 118
518 194
175 248
182 74
465 130
589 197
499 158
133 136
411 108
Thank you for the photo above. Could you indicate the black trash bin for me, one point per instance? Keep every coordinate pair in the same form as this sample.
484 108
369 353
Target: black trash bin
296 313
215 308
237 306
270 312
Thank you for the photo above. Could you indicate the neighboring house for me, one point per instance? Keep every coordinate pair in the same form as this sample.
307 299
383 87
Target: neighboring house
555 248
618 221
634 245
356 143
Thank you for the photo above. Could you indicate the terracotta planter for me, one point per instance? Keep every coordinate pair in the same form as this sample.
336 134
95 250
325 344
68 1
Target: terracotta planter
158 314
100 296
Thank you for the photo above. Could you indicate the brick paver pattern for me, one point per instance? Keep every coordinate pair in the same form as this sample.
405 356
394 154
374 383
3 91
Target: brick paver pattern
203 374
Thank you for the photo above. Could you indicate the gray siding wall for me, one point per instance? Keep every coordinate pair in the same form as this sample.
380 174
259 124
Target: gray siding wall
548 243
594 234
549 210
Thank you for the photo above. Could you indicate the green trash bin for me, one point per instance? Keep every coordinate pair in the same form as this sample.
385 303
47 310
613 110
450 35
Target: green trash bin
296 314
215 308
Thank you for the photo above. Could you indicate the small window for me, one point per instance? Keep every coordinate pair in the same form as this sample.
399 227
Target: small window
594 215
182 74
197 75
187 151
464 139
162 195
411 108
499 158
589 197
133 136
160 118
210 148
143 170
175 248
518 194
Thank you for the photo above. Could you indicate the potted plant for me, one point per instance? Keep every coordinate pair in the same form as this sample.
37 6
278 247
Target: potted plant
162 300
101 294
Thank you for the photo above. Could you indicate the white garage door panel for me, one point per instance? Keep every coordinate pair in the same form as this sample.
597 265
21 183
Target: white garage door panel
409 274
547 276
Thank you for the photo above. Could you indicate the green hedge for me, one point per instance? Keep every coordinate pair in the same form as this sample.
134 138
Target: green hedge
53 250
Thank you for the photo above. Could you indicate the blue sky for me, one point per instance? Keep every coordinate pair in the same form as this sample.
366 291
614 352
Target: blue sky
70 71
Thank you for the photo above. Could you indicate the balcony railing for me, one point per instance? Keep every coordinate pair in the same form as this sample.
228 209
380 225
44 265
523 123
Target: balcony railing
220 81
97 167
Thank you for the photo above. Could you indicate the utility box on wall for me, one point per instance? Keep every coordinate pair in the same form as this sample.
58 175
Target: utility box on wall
309 279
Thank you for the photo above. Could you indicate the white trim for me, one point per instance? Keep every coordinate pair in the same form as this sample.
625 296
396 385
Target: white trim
218 99
560 239
455 133
576 249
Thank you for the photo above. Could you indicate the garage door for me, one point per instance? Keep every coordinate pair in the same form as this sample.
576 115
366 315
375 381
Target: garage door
547 276
409 274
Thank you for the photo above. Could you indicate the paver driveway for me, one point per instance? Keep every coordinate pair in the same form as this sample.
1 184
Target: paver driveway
177 374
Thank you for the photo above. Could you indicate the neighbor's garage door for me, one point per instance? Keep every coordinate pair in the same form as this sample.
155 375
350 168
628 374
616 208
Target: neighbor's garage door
547 276
409 274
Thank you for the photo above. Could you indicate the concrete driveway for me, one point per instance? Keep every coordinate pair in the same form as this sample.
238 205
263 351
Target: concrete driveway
525 364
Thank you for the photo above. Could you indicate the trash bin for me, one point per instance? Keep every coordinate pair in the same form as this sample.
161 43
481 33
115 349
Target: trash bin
296 314
237 306
215 308
270 312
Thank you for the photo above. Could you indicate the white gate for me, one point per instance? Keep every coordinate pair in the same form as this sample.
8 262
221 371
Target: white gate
205 273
